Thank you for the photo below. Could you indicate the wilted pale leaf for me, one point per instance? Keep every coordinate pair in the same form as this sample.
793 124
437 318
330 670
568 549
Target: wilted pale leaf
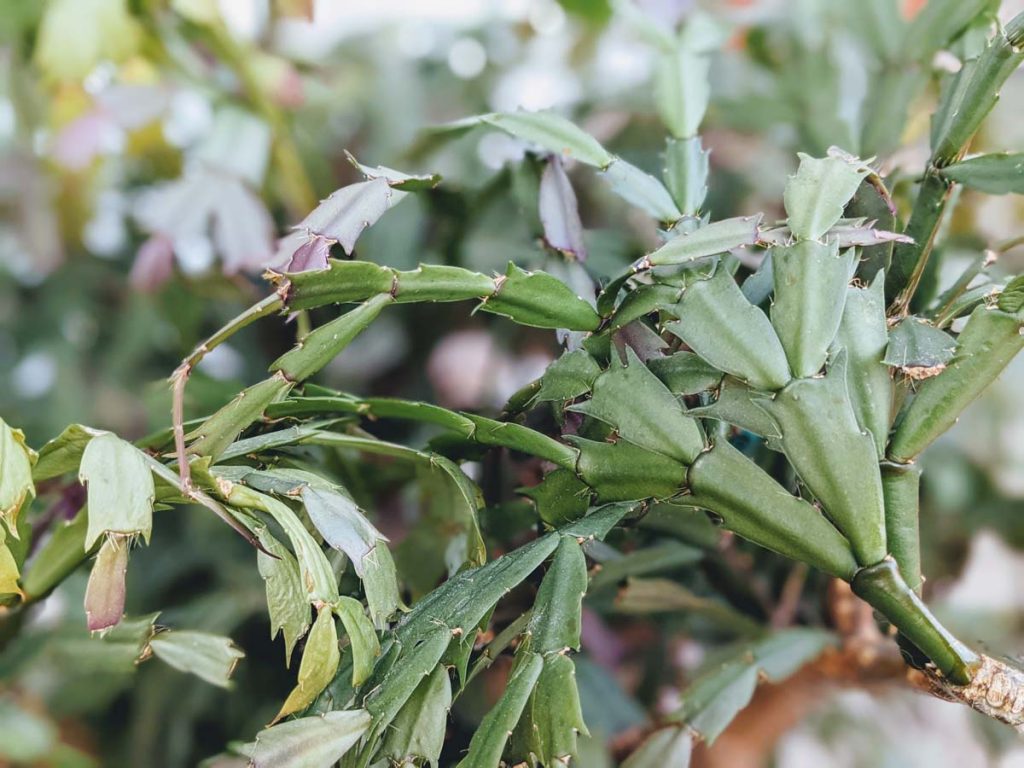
209 657
344 215
816 195
308 742
16 486
320 659
120 488
243 231
8 567
397 179
559 212
342 524
105 593
287 603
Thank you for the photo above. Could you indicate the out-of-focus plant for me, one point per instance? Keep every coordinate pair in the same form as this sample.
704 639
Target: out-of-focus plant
774 380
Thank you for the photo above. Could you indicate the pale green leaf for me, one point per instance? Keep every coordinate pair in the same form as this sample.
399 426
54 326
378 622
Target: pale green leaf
308 742
120 488
362 639
287 603
209 657
320 659
16 486
816 195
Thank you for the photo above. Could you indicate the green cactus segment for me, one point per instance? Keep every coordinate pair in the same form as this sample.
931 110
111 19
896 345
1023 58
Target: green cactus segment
686 173
816 195
215 434
882 587
326 342
528 298
556 621
901 487
642 410
986 346
833 457
469 426
718 237
974 91
718 323
810 293
737 404
863 334
625 472
908 259
489 741
753 505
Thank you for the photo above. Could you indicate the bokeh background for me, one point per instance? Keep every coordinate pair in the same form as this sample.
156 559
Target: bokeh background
151 155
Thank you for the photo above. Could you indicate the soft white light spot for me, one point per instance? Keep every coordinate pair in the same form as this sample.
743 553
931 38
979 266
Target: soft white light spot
546 17
104 235
223 362
189 119
194 253
497 149
35 375
415 41
467 58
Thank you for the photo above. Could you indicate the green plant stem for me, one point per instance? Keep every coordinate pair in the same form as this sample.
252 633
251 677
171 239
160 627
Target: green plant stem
883 587
909 259
901 485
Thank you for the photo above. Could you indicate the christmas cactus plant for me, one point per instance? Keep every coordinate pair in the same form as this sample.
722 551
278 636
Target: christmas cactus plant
778 378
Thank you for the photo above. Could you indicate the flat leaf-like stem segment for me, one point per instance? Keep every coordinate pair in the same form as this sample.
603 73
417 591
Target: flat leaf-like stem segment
642 410
882 586
528 298
717 237
751 503
810 293
987 344
901 487
833 457
718 323
816 195
995 174
863 333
